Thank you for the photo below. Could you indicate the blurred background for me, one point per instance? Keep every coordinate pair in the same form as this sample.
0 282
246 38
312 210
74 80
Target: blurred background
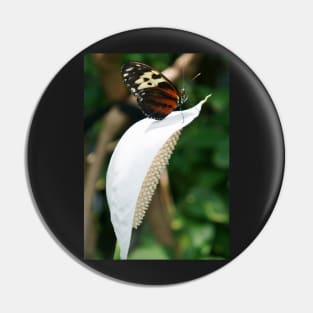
190 217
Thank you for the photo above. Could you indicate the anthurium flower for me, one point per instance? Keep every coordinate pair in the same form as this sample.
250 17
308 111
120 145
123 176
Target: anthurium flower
135 168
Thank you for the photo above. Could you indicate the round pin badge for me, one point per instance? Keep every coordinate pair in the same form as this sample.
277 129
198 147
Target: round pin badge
155 156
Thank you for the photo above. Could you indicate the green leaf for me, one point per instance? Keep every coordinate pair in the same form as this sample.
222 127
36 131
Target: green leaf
153 252
201 234
221 154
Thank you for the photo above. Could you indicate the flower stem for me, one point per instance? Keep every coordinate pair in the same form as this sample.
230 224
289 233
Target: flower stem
116 255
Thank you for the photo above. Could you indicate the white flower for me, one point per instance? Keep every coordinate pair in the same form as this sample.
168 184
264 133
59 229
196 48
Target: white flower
135 168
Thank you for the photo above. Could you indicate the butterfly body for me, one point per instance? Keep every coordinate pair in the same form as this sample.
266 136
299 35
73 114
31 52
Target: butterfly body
156 95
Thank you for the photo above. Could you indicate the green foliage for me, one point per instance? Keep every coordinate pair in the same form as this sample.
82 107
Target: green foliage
198 169
156 251
93 94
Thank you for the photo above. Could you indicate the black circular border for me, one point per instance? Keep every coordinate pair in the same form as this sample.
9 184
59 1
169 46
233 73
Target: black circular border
55 155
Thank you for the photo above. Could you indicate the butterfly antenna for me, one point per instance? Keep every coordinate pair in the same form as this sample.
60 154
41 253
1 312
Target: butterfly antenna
196 76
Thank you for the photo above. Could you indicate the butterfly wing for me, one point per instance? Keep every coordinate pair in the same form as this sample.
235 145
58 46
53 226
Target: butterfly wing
156 95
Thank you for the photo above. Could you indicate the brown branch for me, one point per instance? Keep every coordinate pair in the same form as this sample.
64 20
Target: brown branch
113 123
187 63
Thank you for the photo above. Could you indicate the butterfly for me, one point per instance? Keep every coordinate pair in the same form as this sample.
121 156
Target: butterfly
156 95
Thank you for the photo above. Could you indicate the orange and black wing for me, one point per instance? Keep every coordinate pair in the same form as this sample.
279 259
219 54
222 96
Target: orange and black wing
156 95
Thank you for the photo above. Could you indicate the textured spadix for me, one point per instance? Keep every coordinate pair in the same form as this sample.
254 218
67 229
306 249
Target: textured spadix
135 167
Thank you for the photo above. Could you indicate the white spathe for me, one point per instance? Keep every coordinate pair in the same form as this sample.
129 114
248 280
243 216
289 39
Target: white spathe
130 163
